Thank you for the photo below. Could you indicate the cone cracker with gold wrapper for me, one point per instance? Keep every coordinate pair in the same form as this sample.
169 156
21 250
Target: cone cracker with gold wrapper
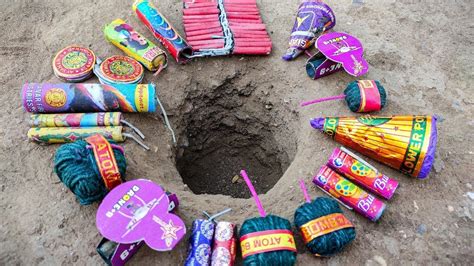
406 143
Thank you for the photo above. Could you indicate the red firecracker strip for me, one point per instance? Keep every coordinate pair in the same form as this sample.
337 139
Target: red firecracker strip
205 27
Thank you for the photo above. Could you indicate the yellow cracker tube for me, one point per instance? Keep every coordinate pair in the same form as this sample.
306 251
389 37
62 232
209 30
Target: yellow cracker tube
51 135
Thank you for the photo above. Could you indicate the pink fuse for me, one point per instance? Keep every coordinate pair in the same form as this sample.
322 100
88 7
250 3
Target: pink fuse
349 194
357 170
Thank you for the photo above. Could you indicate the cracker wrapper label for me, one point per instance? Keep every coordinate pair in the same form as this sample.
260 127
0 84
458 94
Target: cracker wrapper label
343 48
266 241
349 194
401 142
313 18
362 174
76 120
135 45
319 66
324 225
370 96
138 210
88 97
105 159
52 135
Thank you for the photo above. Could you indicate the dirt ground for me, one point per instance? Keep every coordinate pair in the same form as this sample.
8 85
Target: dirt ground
234 112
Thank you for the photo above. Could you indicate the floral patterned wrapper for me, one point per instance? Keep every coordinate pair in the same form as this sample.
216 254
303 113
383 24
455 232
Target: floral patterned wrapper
349 194
362 174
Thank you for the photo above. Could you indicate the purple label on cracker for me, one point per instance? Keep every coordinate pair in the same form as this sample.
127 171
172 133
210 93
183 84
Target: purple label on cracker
139 210
343 48
312 19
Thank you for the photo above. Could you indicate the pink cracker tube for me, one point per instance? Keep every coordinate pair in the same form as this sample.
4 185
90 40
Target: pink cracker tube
362 173
349 194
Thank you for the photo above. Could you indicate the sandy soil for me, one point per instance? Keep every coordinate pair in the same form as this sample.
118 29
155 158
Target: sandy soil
420 50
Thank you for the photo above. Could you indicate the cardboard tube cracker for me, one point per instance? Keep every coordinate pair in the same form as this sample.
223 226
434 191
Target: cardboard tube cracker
82 120
92 97
313 18
135 45
163 30
349 194
53 135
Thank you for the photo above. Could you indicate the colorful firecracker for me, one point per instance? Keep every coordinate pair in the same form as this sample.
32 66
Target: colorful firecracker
81 120
139 210
357 170
119 69
74 63
200 243
349 194
135 45
76 119
313 19
88 97
117 254
224 246
222 27
54 135
163 30
337 51
406 143
362 96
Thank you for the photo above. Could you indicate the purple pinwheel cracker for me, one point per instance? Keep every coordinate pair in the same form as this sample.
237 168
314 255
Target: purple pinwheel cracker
343 48
138 210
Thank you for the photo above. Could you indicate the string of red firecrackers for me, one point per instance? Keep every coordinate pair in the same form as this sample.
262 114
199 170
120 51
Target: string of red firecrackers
205 29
